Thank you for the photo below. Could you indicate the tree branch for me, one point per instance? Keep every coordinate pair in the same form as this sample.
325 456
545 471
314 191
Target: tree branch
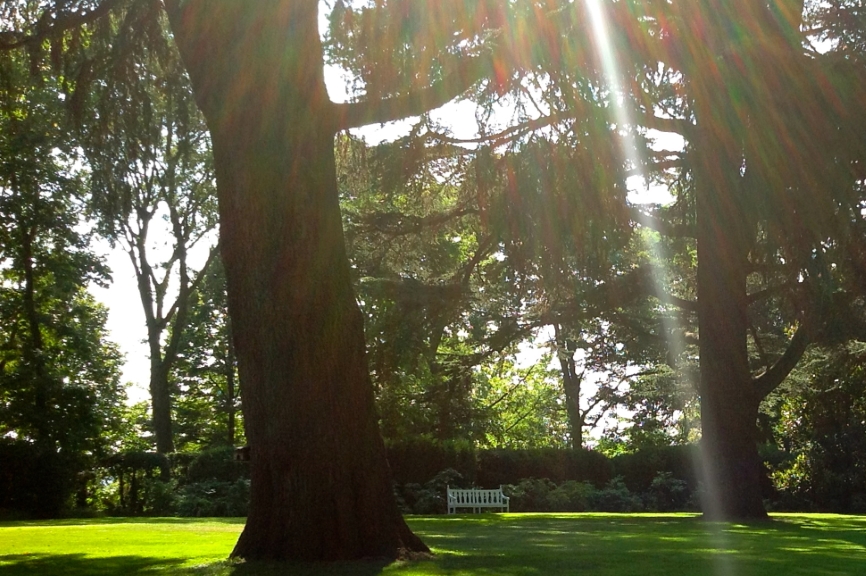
653 122
661 226
770 379
453 84
509 134
196 282
50 25
771 291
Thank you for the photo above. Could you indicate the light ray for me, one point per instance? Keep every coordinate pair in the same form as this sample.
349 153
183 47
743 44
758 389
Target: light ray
596 13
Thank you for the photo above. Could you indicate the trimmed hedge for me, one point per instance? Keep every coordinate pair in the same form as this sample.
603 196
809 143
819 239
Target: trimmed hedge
418 461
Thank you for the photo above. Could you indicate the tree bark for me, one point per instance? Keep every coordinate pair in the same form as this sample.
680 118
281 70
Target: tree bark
231 393
729 402
160 398
321 485
571 383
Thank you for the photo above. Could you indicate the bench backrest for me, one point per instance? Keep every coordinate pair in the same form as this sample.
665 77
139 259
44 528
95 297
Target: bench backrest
476 497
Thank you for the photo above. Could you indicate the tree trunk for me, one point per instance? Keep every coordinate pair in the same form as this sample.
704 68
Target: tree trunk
571 383
321 486
230 387
160 397
34 353
729 402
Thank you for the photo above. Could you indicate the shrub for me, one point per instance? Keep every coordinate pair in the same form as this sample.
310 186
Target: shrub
419 459
615 497
32 482
158 497
214 498
667 493
414 498
507 466
571 496
216 464
639 469
530 495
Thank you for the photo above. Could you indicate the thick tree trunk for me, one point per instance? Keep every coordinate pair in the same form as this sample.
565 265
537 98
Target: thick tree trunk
321 486
729 402
725 233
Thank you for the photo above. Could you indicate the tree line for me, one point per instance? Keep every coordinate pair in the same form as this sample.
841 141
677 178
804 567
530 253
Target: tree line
361 291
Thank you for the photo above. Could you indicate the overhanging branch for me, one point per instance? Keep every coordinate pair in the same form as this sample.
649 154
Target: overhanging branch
51 24
356 114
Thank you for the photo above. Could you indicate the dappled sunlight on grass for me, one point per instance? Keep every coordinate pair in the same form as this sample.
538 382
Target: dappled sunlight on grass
482 545
657 544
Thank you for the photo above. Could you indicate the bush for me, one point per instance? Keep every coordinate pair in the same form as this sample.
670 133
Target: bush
216 464
214 498
639 469
615 497
158 497
667 493
419 459
530 495
571 496
429 498
36 483
496 467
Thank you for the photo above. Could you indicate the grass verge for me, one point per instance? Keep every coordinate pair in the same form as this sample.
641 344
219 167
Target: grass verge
480 545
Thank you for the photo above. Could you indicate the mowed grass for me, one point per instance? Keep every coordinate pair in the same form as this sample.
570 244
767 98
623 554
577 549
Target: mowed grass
487 544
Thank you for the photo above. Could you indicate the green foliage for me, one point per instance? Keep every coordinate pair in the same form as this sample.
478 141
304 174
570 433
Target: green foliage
542 495
216 464
207 483
497 467
207 410
414 498
158 497
416 460
531 495
571 496
641 467
213 498
60 392
615 497
520 407
820 427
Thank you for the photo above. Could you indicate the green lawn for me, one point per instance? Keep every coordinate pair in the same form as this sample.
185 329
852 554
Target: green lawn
488 545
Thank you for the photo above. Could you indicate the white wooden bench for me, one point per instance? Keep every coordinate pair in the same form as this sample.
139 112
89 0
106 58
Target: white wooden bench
476 499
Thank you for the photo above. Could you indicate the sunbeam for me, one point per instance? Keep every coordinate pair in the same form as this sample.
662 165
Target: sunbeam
595 12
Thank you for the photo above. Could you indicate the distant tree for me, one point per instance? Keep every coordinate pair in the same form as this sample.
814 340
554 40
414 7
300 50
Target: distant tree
60 392
152 191
208 400
771 148
522 407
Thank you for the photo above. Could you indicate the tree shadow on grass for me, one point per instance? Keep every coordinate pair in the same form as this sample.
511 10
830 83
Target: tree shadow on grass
231 568
118 520
82 565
